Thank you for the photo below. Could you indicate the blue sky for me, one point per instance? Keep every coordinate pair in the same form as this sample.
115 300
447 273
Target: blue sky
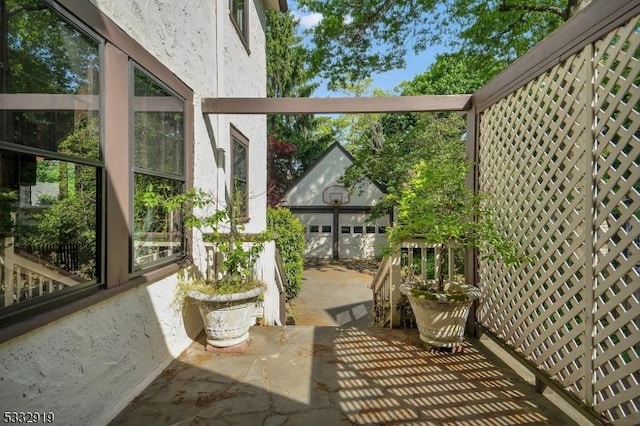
415 64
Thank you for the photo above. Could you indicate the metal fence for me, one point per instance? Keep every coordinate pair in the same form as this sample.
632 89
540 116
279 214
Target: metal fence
560 150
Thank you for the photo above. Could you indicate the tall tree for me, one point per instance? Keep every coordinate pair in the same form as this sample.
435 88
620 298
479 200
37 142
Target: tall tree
387 146
355 38
294 141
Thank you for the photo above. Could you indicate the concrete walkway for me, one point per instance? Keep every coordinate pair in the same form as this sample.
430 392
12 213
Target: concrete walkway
329 375
334 295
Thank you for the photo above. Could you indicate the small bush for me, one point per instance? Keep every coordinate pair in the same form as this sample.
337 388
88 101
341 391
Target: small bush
290 242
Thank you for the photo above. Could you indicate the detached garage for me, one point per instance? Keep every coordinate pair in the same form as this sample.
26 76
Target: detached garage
335 219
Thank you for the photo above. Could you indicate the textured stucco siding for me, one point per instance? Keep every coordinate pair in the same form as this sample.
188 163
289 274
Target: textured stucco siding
244 75
87 366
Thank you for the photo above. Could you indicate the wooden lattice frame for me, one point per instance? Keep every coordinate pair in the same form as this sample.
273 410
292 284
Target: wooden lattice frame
617 225
567 190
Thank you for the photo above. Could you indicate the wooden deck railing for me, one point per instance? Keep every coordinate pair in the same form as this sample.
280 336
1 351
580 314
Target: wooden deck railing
24 277
415 258
282 283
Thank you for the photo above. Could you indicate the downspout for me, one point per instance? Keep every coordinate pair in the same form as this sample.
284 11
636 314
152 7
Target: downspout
219 154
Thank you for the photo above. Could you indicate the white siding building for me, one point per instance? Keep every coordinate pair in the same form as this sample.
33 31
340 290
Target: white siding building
335 219
84 348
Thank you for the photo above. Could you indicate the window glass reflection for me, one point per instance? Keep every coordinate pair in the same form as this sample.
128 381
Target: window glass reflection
50 81
158 127
157 231
48 226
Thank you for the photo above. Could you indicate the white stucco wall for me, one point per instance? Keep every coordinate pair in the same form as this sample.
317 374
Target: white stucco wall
87 366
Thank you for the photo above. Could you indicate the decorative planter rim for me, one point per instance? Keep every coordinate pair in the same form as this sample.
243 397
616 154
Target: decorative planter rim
472 292
230 297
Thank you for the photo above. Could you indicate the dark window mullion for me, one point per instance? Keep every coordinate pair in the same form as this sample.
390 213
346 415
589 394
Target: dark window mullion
147 172
22 149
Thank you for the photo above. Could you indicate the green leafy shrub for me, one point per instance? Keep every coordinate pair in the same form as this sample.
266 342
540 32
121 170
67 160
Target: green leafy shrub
290 242
436 205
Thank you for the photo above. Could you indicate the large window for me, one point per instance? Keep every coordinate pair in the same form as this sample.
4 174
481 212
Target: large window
51 162
88 131
239 169
158 145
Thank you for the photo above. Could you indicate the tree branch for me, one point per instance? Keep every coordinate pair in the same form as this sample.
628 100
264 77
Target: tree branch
16 10
370 19
563 13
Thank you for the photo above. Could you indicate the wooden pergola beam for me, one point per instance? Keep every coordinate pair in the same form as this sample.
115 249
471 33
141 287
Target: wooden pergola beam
274 106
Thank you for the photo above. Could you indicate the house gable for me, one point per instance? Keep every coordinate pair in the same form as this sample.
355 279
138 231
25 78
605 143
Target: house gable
326 172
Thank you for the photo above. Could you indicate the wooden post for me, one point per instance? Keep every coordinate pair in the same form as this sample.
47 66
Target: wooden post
8 265
394 290
452 265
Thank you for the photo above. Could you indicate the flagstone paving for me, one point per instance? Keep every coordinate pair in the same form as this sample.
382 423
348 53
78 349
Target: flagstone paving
305 375
339 371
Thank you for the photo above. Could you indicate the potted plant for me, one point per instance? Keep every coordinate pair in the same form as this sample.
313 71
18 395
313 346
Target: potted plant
227 291
436 206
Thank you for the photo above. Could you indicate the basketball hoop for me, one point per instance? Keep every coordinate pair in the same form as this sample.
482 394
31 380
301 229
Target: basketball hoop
335 195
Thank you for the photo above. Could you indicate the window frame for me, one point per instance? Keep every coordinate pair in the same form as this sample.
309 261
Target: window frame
236 135
116 49
242 28
133 269
15 313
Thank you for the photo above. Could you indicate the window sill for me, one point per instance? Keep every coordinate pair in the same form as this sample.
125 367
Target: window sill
19 328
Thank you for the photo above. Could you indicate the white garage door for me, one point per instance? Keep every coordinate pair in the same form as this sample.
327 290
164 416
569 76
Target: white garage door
359 238
318 233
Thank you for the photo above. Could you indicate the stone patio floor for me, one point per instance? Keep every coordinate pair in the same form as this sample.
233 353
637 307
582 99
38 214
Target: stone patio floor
341 372
305 375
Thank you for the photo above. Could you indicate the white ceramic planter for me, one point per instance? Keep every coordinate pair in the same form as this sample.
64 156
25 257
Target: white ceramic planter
441 323
227 317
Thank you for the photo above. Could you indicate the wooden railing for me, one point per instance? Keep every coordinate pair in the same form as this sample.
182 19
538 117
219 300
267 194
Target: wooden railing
414 259
25 277
152 247
282 284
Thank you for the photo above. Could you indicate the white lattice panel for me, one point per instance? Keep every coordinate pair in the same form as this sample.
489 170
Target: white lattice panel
617 225
561 156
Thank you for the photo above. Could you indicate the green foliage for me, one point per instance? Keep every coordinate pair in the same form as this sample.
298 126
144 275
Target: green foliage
387 146
48 172
239 251
347 40
290 242
46 61
436 206
454 74
8 202
71 218
403 141
295 141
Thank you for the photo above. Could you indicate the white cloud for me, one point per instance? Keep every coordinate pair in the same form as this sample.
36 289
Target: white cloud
308 20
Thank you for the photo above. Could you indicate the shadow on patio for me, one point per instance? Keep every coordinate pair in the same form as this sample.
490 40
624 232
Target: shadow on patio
331 375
